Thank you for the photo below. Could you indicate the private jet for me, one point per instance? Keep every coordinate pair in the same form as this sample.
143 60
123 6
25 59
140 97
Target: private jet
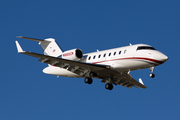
112 66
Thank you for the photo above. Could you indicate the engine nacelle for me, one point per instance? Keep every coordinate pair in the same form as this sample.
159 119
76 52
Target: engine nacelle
74 54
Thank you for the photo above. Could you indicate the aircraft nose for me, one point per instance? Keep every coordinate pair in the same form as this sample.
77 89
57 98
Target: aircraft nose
164 58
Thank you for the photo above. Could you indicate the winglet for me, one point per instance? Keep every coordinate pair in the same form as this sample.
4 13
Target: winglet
140 81
18 47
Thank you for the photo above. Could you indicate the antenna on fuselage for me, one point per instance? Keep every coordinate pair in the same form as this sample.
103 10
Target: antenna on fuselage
130 44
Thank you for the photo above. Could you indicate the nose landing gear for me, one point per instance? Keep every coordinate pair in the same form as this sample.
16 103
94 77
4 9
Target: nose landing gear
152 75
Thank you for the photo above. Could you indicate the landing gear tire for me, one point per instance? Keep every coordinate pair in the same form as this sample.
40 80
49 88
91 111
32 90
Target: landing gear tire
88 80
109 86
152 75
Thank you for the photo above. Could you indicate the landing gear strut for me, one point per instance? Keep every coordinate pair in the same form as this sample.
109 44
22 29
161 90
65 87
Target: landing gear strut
88 80
109 86
152 75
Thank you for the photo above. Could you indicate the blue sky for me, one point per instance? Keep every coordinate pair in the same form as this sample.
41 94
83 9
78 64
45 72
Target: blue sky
26 93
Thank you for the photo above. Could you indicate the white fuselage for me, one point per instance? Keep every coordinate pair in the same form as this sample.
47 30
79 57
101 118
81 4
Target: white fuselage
122 59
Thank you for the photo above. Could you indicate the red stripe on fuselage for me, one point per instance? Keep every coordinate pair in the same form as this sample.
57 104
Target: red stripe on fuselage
131 58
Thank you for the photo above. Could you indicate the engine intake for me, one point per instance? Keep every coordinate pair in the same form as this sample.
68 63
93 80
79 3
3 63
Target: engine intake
74 54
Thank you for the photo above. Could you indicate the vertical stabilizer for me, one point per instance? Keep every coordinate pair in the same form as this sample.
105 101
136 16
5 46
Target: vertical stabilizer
50 47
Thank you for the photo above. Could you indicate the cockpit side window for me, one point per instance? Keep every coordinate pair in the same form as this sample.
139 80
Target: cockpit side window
145 48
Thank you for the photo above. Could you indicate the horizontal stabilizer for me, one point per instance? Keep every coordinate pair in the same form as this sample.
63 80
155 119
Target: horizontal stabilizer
18 47
34 39
49 46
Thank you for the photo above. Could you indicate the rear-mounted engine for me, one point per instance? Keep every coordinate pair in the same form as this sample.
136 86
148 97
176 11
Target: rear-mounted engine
74 54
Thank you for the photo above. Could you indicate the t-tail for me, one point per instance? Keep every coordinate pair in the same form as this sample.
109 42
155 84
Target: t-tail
49 46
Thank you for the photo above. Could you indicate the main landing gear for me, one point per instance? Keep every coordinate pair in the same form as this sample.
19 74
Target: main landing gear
88 80
109 86
152 75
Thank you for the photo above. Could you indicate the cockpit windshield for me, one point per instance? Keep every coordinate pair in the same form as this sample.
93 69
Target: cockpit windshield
145 48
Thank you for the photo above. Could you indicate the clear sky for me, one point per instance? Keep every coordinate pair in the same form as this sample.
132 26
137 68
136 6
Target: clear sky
28 94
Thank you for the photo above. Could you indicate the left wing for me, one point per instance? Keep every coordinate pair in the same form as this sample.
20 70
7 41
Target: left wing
64 63
83 69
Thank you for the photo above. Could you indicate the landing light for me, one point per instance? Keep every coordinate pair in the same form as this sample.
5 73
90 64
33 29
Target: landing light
107 67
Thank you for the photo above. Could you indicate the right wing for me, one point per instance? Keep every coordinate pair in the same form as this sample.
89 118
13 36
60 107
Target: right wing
125 79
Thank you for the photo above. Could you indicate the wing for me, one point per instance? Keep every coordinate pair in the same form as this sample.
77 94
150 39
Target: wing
83 69
125 79
80 68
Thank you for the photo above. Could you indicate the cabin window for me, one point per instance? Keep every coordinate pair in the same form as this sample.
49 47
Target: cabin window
105 55
94 57
119 52
114 53
99 56
125 51
89 57
109 54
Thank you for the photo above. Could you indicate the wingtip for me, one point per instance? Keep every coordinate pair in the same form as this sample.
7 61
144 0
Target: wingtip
18 47
140 81
19 36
